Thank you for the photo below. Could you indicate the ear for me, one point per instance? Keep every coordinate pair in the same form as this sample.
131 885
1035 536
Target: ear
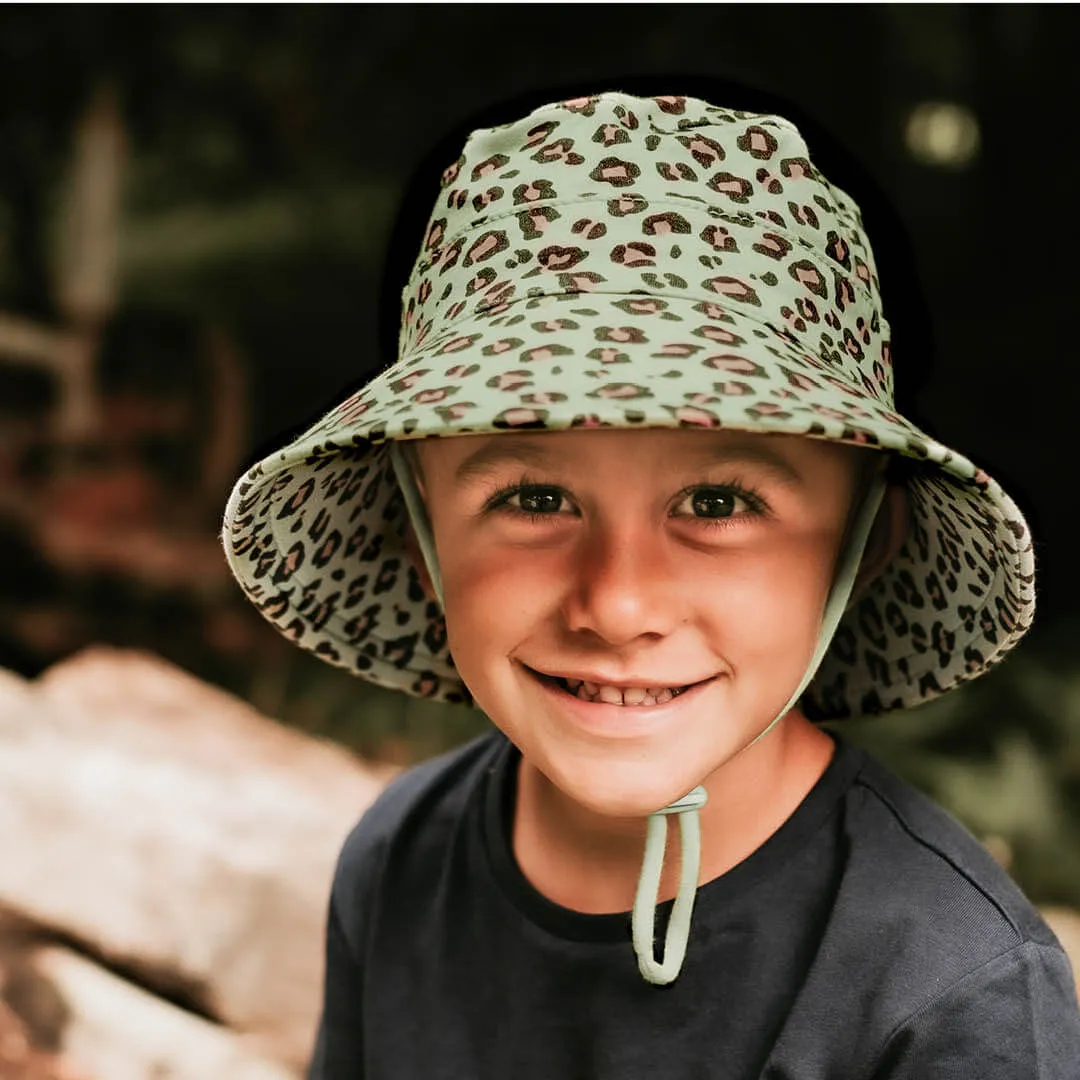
412 549
887 536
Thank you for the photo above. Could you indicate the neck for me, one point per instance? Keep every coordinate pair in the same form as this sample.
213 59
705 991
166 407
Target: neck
590 863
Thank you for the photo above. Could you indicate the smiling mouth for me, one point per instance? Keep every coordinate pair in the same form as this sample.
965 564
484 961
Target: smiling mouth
635 696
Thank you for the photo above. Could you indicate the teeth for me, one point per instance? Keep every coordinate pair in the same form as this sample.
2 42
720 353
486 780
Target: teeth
615 695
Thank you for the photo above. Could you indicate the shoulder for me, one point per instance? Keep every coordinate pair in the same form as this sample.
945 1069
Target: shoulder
930 939
410 813
923 909
1014 1016
925 858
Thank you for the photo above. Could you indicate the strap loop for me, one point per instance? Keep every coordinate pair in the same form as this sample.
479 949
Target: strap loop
643 919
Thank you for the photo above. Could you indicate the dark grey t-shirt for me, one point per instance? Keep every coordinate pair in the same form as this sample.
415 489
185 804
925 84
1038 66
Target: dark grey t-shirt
870 937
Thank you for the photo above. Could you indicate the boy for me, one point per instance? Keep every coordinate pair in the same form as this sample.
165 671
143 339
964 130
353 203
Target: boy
668 515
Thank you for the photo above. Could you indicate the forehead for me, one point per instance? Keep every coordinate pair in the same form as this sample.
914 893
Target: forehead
792 458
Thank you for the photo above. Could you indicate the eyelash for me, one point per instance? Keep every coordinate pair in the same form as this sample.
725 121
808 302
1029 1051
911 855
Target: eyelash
499 501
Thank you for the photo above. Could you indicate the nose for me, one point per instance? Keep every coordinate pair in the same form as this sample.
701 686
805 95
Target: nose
623 587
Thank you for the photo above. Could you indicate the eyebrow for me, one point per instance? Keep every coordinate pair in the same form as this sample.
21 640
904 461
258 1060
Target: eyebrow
501 449
750 450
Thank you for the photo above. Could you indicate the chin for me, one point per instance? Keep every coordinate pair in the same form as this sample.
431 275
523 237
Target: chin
620 788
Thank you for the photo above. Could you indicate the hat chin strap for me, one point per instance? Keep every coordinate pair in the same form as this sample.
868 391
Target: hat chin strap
414 503
643 919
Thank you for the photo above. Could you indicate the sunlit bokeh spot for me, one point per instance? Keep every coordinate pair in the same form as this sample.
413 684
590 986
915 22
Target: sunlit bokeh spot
943 134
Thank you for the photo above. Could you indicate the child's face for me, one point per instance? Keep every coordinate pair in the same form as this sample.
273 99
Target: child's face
647 560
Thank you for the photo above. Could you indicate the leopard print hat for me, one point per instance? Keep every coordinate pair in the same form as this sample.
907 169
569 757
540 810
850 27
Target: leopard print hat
619 261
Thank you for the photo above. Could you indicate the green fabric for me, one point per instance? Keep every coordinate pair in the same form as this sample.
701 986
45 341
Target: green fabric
414 501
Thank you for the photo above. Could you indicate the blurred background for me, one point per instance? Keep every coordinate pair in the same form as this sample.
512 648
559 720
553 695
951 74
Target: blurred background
195 204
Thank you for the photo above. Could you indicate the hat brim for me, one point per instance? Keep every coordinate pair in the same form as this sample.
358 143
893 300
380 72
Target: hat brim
314 533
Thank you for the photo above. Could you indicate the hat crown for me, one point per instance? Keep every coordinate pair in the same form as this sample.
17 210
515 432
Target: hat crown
653 198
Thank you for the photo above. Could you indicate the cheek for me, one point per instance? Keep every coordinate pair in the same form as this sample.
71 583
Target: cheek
494 600
769 605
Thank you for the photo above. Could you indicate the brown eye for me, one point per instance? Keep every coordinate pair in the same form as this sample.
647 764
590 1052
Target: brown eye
713 503
718 503
538 500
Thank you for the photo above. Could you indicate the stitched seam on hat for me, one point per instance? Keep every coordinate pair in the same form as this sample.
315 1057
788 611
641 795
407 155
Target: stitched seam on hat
797 242
667 199
471 316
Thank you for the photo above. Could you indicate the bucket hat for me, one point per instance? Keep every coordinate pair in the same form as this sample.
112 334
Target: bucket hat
612 262
622 261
